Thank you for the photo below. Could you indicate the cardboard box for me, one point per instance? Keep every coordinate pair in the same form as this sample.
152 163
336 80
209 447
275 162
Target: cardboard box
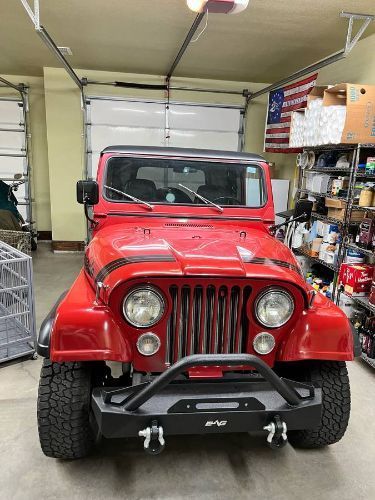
316 93
356 278
360 110
333 203
336 210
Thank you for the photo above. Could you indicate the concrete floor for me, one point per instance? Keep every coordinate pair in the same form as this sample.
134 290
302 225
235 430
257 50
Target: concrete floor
228 466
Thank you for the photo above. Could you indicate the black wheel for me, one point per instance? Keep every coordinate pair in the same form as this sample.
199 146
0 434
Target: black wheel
332 377
64 409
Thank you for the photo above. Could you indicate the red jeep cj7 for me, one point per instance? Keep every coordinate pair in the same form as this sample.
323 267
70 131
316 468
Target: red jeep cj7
185 285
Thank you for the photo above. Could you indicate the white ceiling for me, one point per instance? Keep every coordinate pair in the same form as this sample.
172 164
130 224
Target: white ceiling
270 39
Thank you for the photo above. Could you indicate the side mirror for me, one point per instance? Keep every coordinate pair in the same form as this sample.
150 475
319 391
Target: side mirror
88 192
303 210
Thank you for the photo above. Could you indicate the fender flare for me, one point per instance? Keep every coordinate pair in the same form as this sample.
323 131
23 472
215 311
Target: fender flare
44 337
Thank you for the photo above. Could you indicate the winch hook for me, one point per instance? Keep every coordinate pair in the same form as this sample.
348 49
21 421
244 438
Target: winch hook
277 430
154 442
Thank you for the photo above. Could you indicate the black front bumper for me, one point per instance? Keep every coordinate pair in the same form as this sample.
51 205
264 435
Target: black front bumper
219 405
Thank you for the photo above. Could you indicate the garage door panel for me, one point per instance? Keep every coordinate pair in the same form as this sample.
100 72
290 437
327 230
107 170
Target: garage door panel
127 113
223 141
187 117
103 136
12 142
11 114
10 166
121 122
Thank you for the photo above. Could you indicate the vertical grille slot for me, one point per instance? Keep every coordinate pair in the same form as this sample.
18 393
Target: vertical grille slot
206 320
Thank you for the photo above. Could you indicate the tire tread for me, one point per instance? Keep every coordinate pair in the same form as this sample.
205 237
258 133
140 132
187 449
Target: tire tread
332 377
63 410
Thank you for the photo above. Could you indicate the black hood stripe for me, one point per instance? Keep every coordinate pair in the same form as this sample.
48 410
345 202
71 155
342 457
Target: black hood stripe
271 262
124 261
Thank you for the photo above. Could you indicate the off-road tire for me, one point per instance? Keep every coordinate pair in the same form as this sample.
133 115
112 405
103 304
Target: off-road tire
64 410
332 377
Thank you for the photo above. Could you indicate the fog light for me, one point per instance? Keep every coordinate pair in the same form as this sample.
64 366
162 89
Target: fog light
148 344
263 343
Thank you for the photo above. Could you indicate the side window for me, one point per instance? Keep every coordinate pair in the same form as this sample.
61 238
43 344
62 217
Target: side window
254 187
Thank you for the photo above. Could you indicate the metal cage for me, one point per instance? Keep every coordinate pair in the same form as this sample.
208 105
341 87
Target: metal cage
17 312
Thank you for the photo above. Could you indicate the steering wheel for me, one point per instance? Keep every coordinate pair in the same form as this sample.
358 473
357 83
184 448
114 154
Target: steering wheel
231 200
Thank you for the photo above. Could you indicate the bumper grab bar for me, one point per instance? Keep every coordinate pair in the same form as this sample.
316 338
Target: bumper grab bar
138 399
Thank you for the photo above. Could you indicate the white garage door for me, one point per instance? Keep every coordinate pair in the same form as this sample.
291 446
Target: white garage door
13 146
151 123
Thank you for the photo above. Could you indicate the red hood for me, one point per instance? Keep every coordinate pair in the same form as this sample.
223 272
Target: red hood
120 252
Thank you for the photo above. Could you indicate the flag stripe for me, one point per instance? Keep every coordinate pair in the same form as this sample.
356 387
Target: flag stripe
298 105
281 104
272 149
307 80
277 126
280 130
300 88
277 136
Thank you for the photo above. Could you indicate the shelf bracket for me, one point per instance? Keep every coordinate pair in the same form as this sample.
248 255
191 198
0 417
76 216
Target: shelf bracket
352 41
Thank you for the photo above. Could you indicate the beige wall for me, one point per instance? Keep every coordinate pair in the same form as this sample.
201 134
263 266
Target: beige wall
39 158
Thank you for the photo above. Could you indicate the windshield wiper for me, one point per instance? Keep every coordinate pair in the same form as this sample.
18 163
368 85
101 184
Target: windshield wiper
137 200
205 200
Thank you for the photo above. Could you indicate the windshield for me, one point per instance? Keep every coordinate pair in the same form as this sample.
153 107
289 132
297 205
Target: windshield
184 182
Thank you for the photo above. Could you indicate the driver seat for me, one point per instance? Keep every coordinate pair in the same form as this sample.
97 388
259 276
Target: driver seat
144 189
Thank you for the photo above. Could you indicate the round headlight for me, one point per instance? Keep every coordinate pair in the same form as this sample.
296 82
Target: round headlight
143 307
148 344
263 343
274 308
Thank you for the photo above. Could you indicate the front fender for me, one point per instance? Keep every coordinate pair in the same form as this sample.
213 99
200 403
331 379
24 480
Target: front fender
44 337
323 332
85 331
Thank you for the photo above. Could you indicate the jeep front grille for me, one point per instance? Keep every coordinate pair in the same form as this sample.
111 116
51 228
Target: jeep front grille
206 319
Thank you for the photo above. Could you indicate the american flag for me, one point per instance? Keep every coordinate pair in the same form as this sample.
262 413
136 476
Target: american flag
281 103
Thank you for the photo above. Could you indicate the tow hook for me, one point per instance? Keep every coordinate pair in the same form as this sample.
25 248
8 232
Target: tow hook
154 442
277 430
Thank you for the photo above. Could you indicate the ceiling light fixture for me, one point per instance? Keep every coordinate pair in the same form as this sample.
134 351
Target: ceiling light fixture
218 6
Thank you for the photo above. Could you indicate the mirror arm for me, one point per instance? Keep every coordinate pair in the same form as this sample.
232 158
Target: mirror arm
275 227
93 222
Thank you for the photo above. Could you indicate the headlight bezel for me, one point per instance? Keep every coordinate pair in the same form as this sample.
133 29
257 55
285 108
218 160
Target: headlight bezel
265 292
144 288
